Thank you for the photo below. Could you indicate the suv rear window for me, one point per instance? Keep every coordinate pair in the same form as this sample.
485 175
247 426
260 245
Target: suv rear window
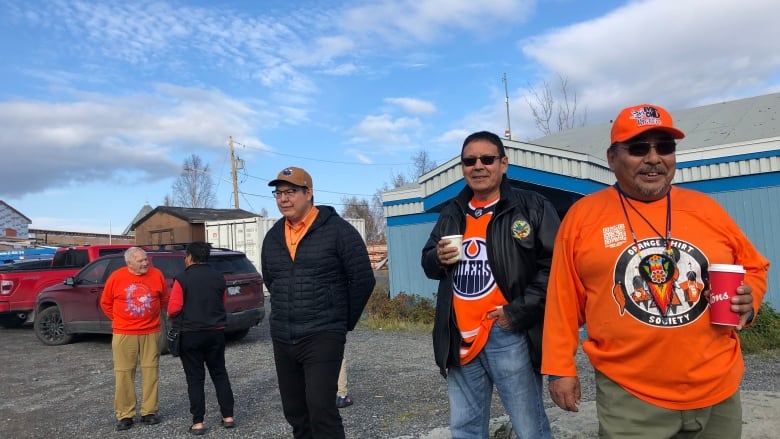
169 265
232 264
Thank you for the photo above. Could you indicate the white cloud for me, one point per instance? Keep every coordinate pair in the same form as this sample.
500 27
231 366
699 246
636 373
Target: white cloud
384 130
678 53
402 22
412 105
101 137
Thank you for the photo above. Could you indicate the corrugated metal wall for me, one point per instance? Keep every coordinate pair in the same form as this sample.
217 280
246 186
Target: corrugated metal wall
757 211
404 248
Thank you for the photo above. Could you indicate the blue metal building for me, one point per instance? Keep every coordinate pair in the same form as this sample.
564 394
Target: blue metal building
731 151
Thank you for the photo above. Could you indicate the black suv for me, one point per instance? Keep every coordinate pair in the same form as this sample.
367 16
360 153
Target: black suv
73 307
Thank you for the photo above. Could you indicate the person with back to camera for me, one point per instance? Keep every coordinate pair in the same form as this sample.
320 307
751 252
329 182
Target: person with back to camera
133 299
317 269
490 304
662 371
197 307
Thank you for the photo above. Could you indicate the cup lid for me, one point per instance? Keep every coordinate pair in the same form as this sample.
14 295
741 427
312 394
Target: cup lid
728 268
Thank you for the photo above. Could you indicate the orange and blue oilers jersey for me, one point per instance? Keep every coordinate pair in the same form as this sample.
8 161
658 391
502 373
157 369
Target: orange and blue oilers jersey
475 292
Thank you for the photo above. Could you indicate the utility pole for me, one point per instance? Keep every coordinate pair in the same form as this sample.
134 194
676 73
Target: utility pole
233 173
508 132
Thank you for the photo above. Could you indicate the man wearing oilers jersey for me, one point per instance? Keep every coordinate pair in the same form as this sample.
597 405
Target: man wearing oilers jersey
490 302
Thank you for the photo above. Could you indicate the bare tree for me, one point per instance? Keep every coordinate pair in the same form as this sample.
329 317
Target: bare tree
421 164
355 207
555 110
194 186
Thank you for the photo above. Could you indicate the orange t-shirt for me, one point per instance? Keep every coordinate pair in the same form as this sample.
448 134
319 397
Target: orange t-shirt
673 358
475 291
133 303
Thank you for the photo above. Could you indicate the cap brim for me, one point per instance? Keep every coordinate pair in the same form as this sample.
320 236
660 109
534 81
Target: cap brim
674 132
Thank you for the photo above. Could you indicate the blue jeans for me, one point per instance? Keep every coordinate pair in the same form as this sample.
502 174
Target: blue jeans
504 361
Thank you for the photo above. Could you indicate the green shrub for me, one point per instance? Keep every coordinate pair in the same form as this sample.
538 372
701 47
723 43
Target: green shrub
764 334
404 311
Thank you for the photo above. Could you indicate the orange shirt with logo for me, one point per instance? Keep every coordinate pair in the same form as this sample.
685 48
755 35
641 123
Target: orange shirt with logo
133 302
674 359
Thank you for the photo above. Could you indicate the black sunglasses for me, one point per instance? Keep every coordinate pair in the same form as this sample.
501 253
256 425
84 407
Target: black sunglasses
640 149
485 159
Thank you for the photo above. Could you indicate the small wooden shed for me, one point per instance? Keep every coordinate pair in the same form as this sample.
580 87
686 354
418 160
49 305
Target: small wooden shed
169 225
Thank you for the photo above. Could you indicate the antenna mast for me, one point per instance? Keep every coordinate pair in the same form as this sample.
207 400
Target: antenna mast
508 132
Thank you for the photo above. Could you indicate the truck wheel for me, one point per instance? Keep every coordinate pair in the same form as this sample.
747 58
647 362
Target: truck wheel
50 329
237 335
12 321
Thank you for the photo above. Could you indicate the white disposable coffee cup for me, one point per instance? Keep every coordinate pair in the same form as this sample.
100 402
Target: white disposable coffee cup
456 241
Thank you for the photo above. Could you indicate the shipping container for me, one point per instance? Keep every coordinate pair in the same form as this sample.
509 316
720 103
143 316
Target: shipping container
246 235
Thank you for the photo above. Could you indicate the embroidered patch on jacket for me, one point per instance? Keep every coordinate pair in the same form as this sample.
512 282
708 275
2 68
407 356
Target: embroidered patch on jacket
521 229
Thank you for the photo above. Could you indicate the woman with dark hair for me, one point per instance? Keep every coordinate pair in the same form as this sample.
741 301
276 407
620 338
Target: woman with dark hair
197 308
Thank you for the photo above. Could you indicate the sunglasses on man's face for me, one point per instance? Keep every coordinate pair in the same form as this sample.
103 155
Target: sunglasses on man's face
641 149
485 159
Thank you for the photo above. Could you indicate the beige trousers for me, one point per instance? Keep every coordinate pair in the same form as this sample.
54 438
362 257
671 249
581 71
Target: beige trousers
127 351
342 391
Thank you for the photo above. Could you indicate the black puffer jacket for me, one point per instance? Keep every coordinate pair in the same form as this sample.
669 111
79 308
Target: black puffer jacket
521 267
328 284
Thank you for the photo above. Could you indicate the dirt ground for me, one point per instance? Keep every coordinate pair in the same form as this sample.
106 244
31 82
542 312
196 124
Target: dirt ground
67 391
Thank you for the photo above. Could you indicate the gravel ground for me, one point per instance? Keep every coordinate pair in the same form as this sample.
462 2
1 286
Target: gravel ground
67 391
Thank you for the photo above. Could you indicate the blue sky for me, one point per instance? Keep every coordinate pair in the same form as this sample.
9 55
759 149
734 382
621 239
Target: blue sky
101 101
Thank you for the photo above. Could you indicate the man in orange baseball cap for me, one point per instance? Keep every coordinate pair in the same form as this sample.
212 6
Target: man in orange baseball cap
662 369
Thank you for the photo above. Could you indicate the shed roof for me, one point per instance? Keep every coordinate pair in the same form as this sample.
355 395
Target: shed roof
711 125
197 215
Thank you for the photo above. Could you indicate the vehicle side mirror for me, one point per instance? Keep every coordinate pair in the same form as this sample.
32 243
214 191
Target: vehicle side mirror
69 281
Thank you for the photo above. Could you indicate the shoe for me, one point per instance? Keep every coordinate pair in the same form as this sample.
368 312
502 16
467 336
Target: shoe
198 431
343 401
124 424
151 419
228 424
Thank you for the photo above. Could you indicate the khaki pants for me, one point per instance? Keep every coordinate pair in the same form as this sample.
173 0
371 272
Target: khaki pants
342 391
622 415
127 351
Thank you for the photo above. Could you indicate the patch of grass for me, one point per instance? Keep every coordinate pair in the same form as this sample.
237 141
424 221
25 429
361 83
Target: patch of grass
403 312
764 334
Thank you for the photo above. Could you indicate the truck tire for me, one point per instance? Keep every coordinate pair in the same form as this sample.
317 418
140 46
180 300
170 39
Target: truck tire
50 329
12 321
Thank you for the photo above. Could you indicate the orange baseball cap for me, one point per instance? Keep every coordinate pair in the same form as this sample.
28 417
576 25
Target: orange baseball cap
635 120
293 175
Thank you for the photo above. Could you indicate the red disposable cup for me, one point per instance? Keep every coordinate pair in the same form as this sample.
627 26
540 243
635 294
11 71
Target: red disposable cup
724 280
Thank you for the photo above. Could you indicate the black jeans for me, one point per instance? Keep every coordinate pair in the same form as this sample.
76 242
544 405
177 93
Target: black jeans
308 374
206 347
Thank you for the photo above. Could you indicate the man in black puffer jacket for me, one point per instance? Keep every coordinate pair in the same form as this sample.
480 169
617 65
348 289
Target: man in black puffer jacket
316 266
490 302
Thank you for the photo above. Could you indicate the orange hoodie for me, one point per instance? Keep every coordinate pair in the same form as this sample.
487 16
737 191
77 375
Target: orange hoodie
133 303
674 359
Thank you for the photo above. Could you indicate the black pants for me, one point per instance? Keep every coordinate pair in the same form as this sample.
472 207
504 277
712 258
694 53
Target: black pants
308 374
206 347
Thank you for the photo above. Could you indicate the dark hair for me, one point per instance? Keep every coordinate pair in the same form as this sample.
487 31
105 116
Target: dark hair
199 251
484 135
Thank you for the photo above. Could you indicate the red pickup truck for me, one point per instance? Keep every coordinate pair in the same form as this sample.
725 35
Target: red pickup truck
20 288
